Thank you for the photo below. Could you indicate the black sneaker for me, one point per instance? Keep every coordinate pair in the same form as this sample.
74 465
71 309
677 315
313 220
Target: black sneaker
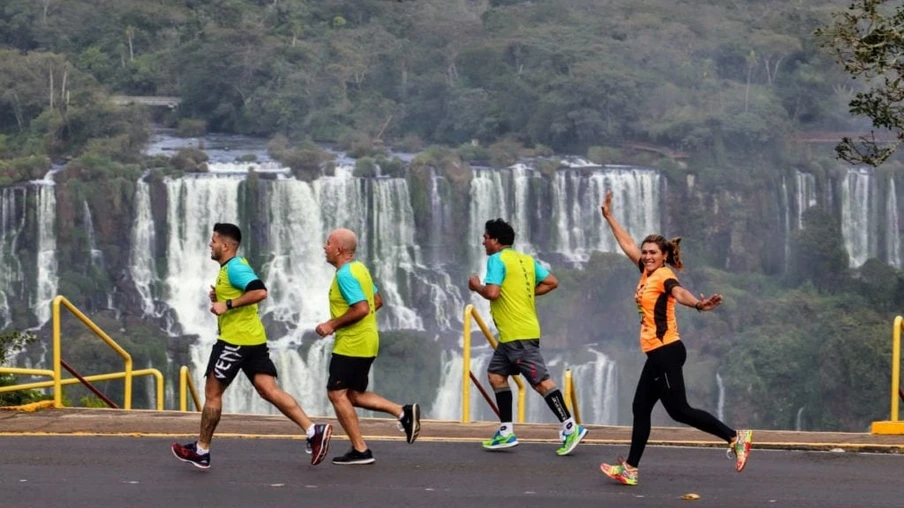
320 443
354 457
411 421
189 453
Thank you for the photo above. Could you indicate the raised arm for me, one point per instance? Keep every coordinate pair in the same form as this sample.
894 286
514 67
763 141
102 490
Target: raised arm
621 236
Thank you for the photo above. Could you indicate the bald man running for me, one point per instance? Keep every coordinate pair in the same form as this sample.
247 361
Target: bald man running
354 300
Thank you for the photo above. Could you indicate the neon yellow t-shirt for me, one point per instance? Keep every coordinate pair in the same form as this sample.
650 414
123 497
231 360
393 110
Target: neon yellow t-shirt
514 312
240 326
352 284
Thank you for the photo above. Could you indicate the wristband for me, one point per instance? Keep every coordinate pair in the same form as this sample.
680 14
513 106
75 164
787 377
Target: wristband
229 305
698 306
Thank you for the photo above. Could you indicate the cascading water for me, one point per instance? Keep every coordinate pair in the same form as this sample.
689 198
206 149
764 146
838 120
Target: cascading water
720 403
805 194
96 255
576 199
12 223
858 216
142 264
893 236
46 250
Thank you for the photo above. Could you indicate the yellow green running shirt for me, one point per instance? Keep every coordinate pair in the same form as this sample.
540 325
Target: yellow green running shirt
352 284
240 326
514 312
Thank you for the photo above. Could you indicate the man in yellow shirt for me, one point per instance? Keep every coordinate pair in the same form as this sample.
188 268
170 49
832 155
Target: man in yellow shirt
354 301
512 283
242 345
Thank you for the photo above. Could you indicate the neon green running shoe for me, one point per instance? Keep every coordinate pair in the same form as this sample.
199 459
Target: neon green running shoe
570 441
498 442
740 448
620 472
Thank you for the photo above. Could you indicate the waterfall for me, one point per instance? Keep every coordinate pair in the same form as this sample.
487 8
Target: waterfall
858 216
96 256
597 389
47 262
142 265
194 205
12 223
805 194
296 271
893 237
720 404
576 198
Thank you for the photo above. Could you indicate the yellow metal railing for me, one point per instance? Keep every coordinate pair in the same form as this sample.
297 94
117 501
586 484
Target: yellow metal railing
571 396
58 381
894 426
471 312
186 382
96 377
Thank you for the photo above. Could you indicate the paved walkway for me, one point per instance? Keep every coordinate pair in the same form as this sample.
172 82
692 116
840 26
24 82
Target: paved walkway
112 422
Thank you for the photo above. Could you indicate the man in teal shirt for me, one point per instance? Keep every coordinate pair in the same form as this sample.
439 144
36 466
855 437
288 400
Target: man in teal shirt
512 283
242 345
354 301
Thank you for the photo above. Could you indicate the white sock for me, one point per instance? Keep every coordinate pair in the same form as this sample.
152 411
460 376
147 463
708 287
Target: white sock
568 426
310 431
506 428
201 451
402 414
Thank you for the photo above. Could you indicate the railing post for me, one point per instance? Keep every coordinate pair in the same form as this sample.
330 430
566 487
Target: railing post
57 372
183 382
466 367
896 367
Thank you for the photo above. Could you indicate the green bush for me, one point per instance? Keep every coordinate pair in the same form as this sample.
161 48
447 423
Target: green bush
191 128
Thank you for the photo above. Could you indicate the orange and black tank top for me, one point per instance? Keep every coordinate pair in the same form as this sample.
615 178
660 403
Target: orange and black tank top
656 306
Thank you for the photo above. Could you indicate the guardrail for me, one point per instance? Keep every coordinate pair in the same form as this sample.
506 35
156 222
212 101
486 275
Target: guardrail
58 382
186 382
571 396
894 425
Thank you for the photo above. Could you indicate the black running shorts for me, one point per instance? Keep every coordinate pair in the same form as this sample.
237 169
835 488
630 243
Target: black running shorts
226 360
349 372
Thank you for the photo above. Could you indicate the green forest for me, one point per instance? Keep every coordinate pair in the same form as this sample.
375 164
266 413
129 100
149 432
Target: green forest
709 88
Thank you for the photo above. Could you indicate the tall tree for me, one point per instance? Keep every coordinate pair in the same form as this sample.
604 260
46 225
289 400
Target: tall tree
868 40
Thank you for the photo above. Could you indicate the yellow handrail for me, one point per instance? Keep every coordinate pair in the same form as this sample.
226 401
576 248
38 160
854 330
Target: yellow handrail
71 381
471 312
894 426
185 381
57 374
571 397
896 367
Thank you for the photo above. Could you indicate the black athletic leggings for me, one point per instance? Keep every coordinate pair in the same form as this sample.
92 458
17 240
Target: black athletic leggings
662 379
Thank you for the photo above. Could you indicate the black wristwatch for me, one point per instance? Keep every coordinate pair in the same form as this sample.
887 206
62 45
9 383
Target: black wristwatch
229 304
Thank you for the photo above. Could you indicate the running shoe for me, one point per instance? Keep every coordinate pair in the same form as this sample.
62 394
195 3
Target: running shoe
189 453
740 448
570 441
620 472
411 422
354 457
320 443
498 442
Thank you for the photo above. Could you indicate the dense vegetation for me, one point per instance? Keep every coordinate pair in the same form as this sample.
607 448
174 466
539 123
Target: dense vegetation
714 88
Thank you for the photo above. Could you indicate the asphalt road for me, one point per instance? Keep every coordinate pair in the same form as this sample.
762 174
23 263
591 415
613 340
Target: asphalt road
74 472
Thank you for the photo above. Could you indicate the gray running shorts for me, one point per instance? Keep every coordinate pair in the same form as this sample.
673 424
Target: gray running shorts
520 357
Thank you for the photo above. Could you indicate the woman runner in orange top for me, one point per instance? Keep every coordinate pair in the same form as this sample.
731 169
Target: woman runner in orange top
662 377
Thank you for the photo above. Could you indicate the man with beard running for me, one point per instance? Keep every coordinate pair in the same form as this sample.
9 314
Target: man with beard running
242 345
